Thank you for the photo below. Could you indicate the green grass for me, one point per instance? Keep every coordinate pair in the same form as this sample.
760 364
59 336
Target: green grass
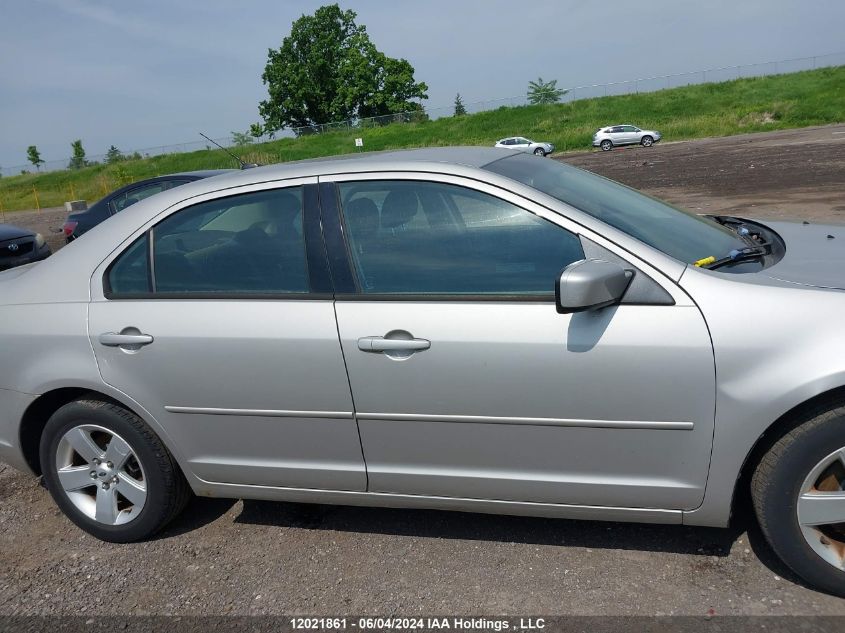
793 100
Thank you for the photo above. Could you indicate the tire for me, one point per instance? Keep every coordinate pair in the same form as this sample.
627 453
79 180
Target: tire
646 141
539 152
142 469
606 145
793 473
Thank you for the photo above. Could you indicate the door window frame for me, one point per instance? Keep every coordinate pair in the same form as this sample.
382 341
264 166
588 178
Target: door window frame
319 276
342 267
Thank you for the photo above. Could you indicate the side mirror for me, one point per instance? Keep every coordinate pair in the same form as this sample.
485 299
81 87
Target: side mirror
590 284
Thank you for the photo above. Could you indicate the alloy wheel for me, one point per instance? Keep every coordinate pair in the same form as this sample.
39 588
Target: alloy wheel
821 509
101 474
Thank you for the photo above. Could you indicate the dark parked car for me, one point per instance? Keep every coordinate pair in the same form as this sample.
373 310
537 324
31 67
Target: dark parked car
83 221
20 246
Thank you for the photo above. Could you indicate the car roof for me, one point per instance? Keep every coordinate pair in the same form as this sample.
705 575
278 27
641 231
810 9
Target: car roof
410 159
201 173
192 175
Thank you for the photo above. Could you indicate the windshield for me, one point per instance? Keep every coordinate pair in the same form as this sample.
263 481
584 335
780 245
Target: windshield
678 233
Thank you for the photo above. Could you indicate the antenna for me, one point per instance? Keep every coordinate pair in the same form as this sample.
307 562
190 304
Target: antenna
240 162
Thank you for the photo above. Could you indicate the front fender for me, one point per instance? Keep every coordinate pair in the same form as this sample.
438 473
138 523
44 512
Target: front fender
776 346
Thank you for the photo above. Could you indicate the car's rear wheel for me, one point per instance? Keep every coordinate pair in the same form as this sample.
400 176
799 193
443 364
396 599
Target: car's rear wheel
798 490
109 473
647 141
539 152
606 145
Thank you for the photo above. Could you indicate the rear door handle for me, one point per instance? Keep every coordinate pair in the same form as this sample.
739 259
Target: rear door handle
111 339
381 344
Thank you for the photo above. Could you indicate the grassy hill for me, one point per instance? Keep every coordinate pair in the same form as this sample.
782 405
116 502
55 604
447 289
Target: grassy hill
717 109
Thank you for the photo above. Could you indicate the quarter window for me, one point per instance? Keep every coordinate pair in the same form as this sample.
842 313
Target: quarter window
250 243
432 238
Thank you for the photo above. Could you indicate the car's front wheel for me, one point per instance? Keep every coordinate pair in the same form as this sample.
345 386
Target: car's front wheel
109 473
798 490
539 152
647 141
606 145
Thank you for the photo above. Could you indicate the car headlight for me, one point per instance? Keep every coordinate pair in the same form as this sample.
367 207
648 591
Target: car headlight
39 240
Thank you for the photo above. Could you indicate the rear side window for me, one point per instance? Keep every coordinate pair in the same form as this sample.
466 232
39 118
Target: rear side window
136 195
433 238
247 244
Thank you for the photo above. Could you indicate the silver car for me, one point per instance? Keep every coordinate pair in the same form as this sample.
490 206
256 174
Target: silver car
462 328
609 137
526 145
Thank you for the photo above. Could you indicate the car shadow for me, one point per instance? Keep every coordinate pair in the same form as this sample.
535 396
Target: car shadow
437 524
440 524
199 512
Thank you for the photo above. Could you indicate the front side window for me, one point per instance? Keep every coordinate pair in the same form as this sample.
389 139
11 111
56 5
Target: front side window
249 243
438 239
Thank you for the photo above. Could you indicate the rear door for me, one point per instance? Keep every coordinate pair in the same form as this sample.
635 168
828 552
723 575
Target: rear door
218 319
468 383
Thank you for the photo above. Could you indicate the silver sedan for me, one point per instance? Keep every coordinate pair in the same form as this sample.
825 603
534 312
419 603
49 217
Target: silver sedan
526 145
462 328
609 137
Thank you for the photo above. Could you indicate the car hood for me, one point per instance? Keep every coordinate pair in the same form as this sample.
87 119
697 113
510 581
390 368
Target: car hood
10 232
815 254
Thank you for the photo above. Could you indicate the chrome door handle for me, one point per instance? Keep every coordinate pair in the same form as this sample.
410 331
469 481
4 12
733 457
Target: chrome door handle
111 339
381 344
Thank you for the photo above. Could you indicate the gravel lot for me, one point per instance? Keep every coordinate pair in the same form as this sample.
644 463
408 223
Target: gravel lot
227 557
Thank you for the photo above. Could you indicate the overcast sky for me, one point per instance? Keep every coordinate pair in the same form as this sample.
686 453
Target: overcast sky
143 74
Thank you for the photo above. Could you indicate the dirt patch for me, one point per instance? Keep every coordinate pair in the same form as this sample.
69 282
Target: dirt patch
794 174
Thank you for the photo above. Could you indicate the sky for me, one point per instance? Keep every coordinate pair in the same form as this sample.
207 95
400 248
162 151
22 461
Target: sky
144 74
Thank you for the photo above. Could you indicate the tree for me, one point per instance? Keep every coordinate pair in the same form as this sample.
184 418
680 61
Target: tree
460 110
114 155
255 130
34 156
77 161
328 70
540 92
241 138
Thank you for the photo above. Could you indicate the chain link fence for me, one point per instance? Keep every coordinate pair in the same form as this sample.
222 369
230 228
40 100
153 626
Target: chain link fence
576 93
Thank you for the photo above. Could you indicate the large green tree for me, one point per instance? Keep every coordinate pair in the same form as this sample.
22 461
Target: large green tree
329 70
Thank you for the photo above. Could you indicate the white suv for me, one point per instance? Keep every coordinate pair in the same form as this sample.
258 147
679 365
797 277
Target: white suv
607 137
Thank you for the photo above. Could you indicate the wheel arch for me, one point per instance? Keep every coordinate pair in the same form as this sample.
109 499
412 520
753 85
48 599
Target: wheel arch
38 412
793 418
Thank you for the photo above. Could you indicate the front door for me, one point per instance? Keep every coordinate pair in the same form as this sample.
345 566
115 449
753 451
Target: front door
213 322
467 382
